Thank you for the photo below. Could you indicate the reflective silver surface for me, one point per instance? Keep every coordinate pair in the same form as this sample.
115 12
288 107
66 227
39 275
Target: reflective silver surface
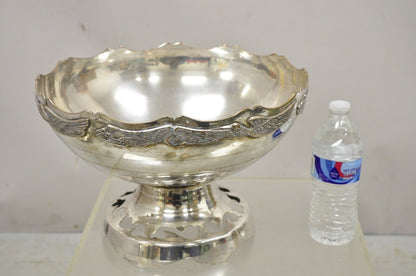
154 224
176 118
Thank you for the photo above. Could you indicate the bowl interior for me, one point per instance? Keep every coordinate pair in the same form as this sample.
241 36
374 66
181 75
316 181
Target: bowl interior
138 87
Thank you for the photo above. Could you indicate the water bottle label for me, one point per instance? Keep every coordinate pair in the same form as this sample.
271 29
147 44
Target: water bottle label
336 172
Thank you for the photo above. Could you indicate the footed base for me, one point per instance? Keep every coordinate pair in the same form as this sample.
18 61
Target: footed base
154 225
282 244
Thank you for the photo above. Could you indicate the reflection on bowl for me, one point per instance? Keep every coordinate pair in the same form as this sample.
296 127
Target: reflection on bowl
174 115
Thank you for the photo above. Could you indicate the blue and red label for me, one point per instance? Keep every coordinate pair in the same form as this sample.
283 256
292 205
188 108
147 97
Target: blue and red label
336 172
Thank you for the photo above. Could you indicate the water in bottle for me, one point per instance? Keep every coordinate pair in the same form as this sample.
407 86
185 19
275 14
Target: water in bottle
336 166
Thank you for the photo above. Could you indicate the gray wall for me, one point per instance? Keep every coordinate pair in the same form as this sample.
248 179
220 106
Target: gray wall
361 51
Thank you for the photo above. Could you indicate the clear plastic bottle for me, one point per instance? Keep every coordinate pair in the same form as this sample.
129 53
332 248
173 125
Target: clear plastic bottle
336 166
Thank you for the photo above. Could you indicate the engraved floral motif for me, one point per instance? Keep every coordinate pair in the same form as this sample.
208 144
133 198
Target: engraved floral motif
68 126
175 135
171 133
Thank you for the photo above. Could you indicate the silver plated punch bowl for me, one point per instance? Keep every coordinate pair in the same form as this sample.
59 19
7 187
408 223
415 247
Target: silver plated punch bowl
173 119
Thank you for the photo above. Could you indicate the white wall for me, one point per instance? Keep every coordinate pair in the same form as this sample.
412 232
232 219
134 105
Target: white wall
361 51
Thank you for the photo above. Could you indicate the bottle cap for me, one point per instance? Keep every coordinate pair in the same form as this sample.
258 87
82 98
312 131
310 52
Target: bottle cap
339 107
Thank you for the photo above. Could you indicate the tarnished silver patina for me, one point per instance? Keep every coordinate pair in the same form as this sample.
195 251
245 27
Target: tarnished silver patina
173 119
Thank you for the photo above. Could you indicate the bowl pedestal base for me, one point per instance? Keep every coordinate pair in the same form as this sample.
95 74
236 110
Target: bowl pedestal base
154 225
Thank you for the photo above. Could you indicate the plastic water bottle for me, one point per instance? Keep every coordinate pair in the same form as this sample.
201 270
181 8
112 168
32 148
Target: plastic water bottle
336 166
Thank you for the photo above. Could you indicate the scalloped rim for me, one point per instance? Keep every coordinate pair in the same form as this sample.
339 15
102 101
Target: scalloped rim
242 117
